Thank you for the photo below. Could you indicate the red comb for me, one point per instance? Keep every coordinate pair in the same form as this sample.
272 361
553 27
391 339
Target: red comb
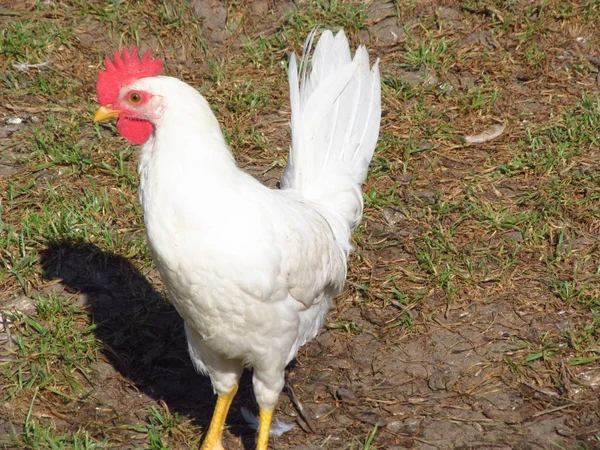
125 69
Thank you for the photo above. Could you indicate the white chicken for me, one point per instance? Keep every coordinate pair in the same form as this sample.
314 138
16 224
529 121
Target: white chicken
251 270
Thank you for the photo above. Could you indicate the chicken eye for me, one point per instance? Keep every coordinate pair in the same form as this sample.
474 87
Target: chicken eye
135 98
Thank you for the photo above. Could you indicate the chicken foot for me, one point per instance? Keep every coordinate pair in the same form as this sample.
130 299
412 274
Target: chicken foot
212 441
265 417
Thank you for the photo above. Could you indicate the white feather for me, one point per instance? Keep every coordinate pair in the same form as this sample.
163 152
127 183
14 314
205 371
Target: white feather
253 271
278 428
336 113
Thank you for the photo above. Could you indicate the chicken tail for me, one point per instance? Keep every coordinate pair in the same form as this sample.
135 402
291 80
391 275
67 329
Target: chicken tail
336 111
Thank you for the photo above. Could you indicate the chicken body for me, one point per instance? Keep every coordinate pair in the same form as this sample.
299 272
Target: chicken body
252 270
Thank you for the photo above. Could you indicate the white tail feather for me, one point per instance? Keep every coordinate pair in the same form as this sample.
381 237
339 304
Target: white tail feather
278 428
336 111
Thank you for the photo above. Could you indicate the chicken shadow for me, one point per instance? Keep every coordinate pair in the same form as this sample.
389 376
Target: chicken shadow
142 334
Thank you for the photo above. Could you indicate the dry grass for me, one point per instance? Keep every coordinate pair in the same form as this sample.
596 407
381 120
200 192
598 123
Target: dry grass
472 312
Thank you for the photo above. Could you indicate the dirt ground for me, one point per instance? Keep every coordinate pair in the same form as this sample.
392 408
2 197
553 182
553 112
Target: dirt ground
481 359
443 384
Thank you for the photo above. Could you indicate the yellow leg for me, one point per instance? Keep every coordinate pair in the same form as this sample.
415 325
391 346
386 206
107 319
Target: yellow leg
212 440
265 417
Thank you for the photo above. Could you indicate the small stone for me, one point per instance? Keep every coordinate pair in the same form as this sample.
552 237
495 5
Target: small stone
342 420
425 196
514 236
413 78
450 18
340 363
371 418
590 378
259 8
55 288
22 304
364 36
380 10
563 431
345 394
388 30
393 216
442 381
214 18
394 426
83 299
409 427
103 369
321 410
325 339
427 145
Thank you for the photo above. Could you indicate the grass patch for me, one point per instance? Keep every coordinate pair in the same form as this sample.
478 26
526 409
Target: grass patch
508 226
53 350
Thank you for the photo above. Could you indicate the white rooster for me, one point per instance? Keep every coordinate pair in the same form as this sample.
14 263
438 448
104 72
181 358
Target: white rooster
251 270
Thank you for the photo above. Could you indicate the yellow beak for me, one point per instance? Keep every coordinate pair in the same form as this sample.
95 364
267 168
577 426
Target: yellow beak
105 113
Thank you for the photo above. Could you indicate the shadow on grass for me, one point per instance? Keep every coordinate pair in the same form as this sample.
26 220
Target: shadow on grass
142 334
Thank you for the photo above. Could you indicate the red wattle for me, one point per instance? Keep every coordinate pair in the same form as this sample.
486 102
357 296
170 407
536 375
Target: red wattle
134 130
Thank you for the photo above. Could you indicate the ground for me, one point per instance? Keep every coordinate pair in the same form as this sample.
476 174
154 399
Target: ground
471 316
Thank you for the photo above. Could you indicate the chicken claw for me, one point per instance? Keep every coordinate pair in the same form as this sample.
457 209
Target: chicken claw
212 441
265 417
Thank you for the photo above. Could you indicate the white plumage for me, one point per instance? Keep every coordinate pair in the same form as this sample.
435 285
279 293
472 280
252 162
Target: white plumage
252 270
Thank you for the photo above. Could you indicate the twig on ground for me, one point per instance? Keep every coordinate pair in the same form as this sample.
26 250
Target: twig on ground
300 408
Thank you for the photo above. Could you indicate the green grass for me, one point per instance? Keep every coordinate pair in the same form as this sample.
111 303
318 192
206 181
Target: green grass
351 16
163 426
369 440
431 52
32 42
53 350
39 436
447 226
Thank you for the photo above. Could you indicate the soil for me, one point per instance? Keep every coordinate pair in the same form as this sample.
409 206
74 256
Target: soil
441 384
428 375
